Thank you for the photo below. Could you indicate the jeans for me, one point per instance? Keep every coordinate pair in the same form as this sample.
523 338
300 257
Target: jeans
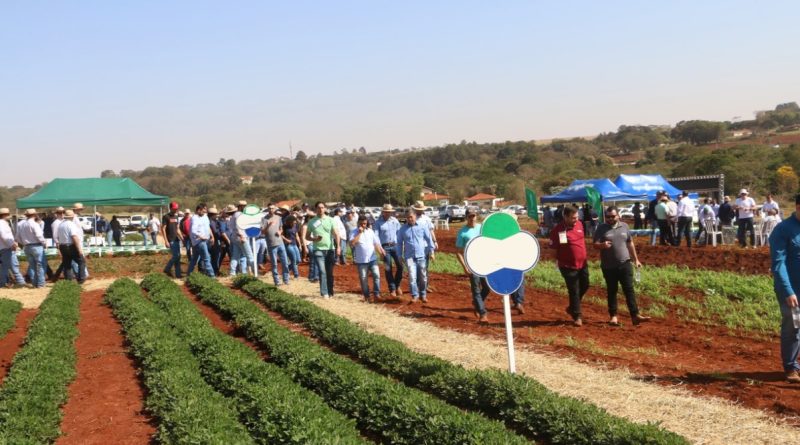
175 261
622 274
144 238
201 254
313 272
371 267
653 225
154 238
109 237
684 229
392 257
293 253
790 338
417 277
9 264
325 260
343 248
241 257
261 251
745 225
665 232
214 251
518 297
34 255
187 243
577 281
70 255
480 290
279 253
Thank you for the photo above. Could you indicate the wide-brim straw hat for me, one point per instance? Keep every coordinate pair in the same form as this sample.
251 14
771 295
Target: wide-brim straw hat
387 208
69 213
230 208
419 205
4 211
30 212
59 210
213 211
77 206
242 203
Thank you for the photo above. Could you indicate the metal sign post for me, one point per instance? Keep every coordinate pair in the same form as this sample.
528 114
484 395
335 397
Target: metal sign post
512 363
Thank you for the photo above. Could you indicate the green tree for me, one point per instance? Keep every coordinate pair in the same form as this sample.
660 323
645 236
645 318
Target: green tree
698 132
301 156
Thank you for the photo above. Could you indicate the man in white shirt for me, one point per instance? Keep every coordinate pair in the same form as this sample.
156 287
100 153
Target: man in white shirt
154 226
342 232
201 236
31 237
8 248
70 243
770 204
54 228
685 213
745 206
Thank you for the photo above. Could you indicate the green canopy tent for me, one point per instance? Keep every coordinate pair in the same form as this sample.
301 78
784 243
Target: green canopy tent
93 192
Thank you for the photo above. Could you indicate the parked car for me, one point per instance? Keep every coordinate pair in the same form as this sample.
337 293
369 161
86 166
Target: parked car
86 223
400 214
515 209
431 213
137 221
124 221
452 213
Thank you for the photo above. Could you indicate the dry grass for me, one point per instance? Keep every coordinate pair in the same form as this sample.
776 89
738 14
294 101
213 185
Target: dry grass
703 420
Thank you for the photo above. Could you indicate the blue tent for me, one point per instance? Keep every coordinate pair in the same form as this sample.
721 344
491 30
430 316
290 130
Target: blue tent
608 191
647 184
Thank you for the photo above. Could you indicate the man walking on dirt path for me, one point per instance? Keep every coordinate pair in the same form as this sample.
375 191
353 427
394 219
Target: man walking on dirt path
387 227
745 207
8 255
784 247
327 247
617 260
415 242
567 238
477 285
173 239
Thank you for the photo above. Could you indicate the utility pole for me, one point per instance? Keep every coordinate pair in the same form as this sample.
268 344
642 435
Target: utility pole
291 155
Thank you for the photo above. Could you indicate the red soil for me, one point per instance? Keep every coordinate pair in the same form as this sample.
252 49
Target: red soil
705 359
106 400
12 342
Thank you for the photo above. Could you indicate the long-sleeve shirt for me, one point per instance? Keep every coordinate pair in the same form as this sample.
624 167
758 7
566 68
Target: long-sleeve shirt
784 248
6 235
387 230
200 229
29 232
413 240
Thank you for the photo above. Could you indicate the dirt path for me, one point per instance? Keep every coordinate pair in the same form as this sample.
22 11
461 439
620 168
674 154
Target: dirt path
705 359
106 401
701 419
12 342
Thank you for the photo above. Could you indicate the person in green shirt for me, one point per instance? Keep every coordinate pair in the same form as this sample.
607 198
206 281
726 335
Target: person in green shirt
322 233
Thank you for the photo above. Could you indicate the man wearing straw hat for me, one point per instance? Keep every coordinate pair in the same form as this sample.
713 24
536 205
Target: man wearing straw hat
424 221
240 244
70 244
387 227
31 237
54 227
8 247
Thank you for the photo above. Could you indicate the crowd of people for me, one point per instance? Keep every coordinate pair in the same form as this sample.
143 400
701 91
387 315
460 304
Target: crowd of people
675 219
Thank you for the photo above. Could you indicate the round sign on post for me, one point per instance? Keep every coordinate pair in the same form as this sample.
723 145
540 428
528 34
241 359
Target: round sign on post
249 221
502 253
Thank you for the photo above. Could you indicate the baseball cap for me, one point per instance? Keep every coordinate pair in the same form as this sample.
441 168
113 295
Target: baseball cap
174 205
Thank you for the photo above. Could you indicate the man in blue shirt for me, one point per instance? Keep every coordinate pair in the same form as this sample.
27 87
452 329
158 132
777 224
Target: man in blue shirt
784 247
386 227
478 285
201 238
413 240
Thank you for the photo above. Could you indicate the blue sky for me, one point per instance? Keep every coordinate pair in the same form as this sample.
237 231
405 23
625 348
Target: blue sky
88 86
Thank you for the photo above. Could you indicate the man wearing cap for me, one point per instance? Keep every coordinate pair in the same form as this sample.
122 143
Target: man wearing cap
745 206
327 246
662 217
70 245
784 247
173 238
386 227
31 238
201 238
272 230
8 247
424 221
414 243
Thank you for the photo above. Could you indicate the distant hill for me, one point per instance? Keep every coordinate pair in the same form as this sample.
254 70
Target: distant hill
762 155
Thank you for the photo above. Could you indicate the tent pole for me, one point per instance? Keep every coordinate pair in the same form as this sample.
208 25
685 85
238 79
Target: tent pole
94 234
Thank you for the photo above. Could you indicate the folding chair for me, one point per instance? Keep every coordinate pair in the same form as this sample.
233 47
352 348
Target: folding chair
713 232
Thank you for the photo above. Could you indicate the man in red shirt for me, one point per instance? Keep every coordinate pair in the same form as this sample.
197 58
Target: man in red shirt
567 237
